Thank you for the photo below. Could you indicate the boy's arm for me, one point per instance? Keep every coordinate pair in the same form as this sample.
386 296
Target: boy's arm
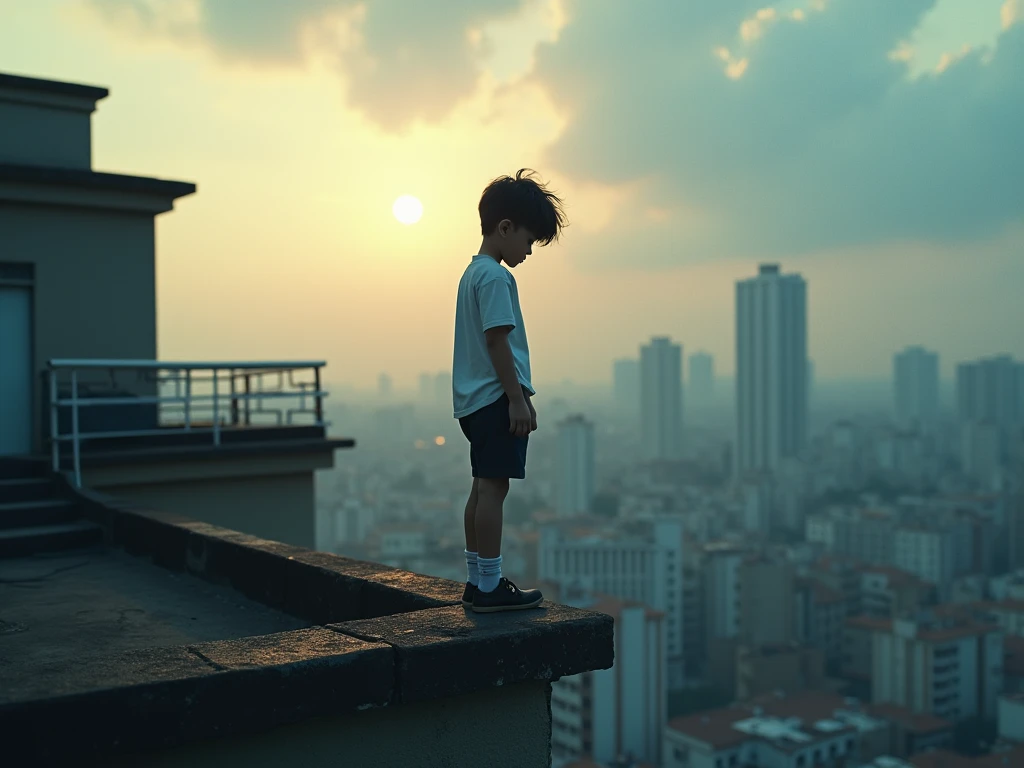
498 348
533 411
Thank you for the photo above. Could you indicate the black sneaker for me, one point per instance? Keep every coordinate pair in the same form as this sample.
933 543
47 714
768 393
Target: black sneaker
468 594
506 597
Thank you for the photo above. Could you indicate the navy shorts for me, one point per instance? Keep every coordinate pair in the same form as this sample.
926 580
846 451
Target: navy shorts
494 452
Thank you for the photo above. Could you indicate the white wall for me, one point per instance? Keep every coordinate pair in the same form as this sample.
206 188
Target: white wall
1011 718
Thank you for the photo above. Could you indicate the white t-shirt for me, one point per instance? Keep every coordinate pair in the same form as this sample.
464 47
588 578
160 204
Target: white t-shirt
488 298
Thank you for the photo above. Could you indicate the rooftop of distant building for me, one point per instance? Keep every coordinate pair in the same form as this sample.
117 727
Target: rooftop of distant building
787 721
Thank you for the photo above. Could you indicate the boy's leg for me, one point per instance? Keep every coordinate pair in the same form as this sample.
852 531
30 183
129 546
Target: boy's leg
470 517
497 456
491 493
472 571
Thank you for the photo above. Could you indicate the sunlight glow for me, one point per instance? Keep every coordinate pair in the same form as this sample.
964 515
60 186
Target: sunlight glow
407 209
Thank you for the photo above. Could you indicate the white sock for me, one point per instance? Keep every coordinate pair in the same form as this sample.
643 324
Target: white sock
471 567
490 573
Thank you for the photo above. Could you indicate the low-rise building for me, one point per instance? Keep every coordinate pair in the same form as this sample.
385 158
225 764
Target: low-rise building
888 592
618 711
646 568
801 730
950 667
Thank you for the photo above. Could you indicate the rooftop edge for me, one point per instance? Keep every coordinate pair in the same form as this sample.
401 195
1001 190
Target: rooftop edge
383 637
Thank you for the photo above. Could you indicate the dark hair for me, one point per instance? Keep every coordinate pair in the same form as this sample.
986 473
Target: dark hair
525 202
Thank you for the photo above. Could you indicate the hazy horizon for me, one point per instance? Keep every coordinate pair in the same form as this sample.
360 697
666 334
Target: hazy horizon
691 143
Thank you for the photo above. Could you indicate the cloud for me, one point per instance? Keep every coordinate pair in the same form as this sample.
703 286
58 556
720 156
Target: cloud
401 60
733 127
788 132
1011 12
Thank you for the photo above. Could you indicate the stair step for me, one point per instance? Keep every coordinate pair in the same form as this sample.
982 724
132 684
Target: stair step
25 489
19 467
21 514
21 542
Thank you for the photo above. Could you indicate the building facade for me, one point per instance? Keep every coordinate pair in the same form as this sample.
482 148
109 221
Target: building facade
661 399
619 711
916 389
626 386
948 668
771 370
700 390
645 569
575 467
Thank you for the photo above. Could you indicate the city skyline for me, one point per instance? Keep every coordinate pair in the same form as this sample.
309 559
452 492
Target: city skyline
320 267
778 448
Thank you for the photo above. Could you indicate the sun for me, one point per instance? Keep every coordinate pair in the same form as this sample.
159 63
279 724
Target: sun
407 209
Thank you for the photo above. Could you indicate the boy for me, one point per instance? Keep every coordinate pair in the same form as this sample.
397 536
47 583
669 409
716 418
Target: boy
491 375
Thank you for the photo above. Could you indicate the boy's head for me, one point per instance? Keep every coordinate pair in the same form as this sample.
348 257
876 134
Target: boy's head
516 212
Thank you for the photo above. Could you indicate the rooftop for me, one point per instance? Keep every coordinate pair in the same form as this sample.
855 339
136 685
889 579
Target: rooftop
190 631
910 721
21 83
943 758
94 180
798 719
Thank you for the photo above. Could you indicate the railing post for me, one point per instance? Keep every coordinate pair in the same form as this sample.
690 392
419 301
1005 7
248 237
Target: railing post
319 398
216 411
248 390
54 415
188 399
75 448
234 399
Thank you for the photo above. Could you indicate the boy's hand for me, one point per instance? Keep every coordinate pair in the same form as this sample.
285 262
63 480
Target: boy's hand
533 415
519 418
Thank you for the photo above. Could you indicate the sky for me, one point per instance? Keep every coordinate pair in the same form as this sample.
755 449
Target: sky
875 147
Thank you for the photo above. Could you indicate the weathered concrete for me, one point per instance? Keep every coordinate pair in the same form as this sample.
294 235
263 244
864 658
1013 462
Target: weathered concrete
451 651
117 691
83 604
157 698
317 586
471 730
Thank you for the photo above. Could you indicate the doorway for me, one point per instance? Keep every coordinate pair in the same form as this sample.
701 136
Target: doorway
15 369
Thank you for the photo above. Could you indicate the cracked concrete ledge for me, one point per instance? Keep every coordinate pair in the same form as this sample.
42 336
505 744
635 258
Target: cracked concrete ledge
384 637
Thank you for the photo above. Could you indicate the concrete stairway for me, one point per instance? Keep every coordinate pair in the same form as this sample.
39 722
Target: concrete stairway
34 517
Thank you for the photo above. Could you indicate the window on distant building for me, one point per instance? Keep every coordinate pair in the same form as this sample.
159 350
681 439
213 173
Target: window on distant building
801 760
732 761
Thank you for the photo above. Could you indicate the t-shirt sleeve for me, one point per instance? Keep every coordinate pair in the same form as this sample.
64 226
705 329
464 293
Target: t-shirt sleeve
495 299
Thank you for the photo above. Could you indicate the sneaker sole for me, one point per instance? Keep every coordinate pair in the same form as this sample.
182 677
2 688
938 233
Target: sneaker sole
500 608
467 603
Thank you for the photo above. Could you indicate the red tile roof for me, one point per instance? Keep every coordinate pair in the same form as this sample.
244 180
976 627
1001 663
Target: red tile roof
613 607
943 758
715 727
896 576
914 722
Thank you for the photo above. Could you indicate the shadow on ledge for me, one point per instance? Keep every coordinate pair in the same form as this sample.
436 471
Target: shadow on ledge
176 642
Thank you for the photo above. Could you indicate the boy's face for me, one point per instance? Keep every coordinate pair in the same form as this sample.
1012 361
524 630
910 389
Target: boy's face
516 243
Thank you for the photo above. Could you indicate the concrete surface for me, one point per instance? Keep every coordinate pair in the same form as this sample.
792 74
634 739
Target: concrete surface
87 603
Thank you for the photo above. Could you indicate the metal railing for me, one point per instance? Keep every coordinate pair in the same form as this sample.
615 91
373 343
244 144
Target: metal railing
176 397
